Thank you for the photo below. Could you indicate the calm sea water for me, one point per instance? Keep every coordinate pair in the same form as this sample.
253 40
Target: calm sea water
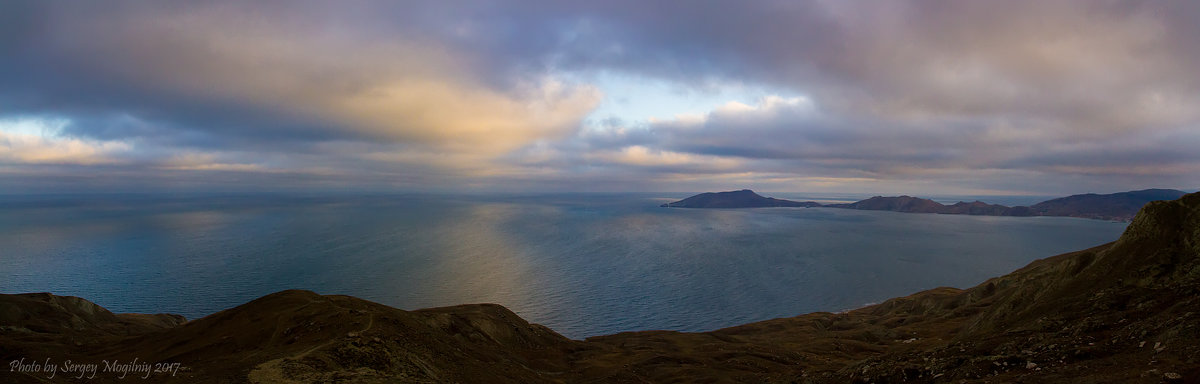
583 265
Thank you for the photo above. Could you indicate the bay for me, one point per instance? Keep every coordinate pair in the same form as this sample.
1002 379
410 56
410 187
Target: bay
582 264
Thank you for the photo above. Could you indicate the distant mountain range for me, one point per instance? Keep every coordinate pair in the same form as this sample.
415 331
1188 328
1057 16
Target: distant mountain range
1115 206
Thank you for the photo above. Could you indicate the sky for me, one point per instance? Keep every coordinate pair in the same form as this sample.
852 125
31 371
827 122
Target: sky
919 97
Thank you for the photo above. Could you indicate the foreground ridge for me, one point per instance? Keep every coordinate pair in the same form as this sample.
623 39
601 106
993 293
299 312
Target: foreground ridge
1127 311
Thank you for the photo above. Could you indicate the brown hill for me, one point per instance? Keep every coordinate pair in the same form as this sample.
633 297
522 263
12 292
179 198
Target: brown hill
1127 311
896 204
736 199
981 208
1113 206
300 336
909 204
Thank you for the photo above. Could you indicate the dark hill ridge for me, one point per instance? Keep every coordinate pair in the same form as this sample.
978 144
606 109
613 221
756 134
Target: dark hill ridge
911 204
735 199
896 204
1116 206
1123 312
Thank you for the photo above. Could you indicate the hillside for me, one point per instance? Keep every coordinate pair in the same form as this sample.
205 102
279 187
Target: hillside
911 204
896 204
735 199
1113 206
1123 312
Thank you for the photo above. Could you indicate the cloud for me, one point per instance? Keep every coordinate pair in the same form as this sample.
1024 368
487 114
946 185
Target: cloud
206 162
1020 91
222 69
38 141
444 95
644 157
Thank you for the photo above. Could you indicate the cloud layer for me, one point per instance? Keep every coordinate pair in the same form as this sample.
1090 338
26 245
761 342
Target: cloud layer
907 96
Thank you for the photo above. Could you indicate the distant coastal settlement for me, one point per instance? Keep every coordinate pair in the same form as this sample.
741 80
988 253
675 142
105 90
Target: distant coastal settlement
1120 206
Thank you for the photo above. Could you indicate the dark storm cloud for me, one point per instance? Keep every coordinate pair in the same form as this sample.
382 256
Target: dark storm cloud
83 60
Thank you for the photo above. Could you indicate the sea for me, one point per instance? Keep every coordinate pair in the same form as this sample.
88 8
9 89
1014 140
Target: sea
581 264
